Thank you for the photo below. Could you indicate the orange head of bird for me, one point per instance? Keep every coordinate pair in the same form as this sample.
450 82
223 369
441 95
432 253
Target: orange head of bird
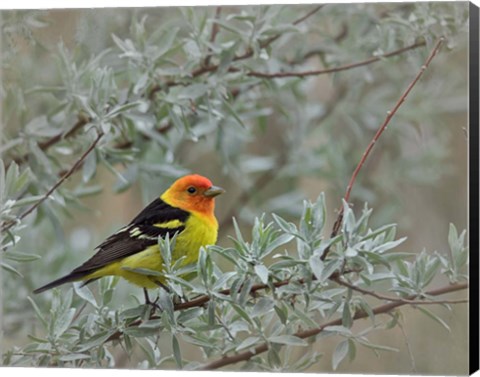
193 193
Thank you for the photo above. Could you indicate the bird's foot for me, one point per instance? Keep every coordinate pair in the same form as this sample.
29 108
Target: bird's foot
153 304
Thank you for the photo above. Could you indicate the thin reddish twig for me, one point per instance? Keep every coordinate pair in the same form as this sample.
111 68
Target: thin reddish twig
213 35
334 69
82 121
6 226
390 114
340 281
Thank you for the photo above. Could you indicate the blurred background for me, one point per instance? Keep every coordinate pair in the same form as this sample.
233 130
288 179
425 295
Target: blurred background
279 141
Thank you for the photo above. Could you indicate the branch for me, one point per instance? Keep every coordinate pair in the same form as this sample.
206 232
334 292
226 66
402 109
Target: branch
202 300
335 69
6 226
82 121
311 13
390 114
215 30
395 299
244 356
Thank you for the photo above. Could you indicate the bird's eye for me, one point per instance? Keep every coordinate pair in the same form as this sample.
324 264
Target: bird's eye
192 190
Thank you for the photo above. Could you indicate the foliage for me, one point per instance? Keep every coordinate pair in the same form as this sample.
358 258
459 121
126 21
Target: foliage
235 93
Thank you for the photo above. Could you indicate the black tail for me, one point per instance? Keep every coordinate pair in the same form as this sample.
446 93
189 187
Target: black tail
65 279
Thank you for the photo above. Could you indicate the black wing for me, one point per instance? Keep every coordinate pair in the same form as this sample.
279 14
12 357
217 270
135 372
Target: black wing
141 233
137 236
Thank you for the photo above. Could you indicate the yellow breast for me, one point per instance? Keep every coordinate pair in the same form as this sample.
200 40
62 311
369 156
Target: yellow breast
199 231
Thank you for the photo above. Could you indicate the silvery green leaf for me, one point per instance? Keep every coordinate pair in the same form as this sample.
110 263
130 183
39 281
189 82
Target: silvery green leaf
284 225
375 259
229 26
238 233
107 296
10 178
247 343
38 311
379 276
40 126
223 280
122 108
74 357
347 319
20 257
242 313
352 350
303 316
140 332
192 49
372 234
273 357
279 241
233 113
341 350
84 292
2 181
211 312
165 42
288 339
282 313
193 91
96 340
262 272
330 267
114 171
89 167
435 317
367 309
141 83
317 266
348 224
6 145
10 269
376 346
351 252
388 245
183 282
453 237
131 313
165 302
341 330
176 352
245 291
189 314
175 119
431 271
262 307
63 322
202 264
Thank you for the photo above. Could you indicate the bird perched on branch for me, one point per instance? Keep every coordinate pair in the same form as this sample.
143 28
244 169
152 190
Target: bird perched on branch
185 209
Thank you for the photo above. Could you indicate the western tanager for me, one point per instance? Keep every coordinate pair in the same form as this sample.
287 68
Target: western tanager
186 208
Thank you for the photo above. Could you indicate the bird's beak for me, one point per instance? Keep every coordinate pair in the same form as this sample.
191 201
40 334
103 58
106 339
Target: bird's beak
213 192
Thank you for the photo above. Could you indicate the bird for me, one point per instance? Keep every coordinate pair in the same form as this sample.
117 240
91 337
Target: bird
184 210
